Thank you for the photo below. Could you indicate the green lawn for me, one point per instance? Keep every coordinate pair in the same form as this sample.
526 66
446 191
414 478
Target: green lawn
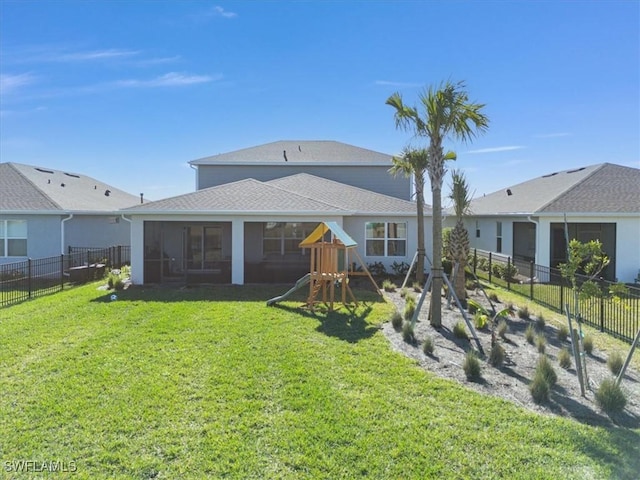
196 384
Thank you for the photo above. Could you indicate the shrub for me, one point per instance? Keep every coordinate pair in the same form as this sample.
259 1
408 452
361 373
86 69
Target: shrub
545 367
610 396
377 269
403 292
417 287
407 333
496 356
472 308
510 307
409 306
503 328
530 334
540 322
563 333
615 362
428 346
459 331
564 358
483 264
587 344
400 269
389 286
470 285
523 313
539 388
493 296
480 320
471 366
396 320
541 342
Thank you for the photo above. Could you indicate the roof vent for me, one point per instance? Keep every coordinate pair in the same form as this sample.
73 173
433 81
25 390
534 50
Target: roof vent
107 193
284 154
62 184
48 180
550 175
576 170
142 198
72 175
43 170
509 192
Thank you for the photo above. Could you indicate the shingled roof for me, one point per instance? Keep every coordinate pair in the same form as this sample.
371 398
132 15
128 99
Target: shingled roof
26 188
297 194
601 188
318 152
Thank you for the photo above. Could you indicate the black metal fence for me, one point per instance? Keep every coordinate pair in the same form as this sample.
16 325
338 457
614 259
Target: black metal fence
32 278
615 310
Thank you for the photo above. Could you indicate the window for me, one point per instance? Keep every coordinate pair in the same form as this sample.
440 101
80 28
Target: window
477 229
283 238
499 237
13 238
386 239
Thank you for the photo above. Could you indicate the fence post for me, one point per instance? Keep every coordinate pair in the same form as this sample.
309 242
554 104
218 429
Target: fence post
509 273
62 271
475 261
531 280
602 294
119 256
29 277
490 268
561 296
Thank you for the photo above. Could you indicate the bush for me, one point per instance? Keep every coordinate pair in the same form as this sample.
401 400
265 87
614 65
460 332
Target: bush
403 292
483 264
541 342
480 320
563 333
396 321
540 322
459 331
407 333
523 313
493 296
587 344
545 367
377 269
428 346
564 358
530 334
496 356
503 328
400 269
470 285
409 306
389 286
610 396
417 287
471 366
472 308
615 362
539 388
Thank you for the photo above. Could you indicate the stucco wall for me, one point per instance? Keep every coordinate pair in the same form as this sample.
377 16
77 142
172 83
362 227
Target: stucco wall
43 236
96 231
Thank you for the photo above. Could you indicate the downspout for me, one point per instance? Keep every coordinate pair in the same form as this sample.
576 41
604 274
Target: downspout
62 232
197 175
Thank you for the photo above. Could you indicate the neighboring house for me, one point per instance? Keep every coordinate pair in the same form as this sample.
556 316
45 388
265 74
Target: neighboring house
249 231
527 221
44 211
336 161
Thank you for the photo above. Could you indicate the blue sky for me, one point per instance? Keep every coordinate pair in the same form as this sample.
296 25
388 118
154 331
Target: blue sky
130 91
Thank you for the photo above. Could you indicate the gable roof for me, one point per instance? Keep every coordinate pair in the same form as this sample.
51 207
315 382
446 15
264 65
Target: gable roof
317 152
344 196
243 196
297 194
601 188
25 188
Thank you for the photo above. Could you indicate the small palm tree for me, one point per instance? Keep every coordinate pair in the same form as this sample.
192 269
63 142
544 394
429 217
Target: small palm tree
414 162
459 237
447 113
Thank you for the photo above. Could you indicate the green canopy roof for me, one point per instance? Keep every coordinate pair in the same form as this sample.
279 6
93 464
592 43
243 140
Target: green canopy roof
335 229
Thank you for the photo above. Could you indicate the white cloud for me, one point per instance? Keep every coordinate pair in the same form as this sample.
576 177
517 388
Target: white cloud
9 83
171 79
92 55
223 13
391 83
497 149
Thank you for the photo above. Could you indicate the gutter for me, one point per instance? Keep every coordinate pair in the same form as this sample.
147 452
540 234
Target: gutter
62 232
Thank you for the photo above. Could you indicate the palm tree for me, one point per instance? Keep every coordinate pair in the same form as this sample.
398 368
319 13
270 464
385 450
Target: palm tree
415 162
447 113
459 237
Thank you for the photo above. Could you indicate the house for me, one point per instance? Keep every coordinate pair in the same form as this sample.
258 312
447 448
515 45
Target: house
527 221
249 230
336 161
44 211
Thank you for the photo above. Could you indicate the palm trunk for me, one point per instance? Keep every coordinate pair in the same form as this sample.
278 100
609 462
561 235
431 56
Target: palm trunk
436 269
420 205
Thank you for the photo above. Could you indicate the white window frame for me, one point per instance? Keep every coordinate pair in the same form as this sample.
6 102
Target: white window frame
499 246
5 237
387 239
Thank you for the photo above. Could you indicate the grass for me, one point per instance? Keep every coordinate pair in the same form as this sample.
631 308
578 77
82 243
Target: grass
211 383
